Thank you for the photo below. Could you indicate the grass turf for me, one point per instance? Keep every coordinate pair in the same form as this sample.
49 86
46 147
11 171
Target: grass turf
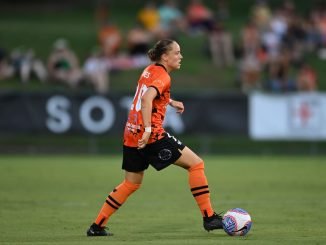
53 199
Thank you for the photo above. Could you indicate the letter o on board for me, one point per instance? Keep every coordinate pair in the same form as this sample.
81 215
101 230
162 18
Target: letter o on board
108 112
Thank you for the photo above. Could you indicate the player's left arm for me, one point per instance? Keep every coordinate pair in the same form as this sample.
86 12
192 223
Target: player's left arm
178 105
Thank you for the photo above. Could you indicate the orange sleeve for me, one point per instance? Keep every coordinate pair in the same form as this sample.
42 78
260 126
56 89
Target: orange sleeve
160 83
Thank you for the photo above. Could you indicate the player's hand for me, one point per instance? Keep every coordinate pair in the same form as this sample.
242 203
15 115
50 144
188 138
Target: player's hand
144 139
178 105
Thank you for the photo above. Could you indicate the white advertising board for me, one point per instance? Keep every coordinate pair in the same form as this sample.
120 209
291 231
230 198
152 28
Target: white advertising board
292 116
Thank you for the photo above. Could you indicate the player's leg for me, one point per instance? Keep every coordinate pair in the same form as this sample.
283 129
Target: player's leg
118 196
134 165
199 187
197 180
114 201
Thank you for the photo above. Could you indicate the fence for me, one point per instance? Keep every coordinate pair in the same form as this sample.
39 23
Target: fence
211 123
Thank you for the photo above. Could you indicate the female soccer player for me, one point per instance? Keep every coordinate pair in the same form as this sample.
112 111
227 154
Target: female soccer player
147 143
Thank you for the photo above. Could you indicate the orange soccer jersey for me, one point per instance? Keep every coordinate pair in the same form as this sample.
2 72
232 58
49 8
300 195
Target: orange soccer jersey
157 77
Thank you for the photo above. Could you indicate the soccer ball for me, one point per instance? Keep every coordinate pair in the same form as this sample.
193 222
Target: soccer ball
236 222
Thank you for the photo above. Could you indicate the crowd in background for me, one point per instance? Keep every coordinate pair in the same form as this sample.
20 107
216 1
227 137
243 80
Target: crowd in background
268 55
274 44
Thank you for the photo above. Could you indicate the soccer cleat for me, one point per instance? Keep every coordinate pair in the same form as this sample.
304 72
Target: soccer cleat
96 230
214 222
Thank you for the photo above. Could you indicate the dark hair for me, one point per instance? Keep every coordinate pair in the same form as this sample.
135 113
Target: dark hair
161 47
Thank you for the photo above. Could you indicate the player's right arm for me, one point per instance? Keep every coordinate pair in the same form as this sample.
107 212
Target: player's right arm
146 111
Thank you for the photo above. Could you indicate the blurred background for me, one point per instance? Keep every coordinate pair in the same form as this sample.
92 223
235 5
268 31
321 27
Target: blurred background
252 76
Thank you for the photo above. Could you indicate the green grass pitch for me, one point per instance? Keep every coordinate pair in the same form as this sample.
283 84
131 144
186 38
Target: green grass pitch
53 200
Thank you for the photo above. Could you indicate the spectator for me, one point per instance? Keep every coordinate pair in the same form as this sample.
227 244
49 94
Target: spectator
110 38
96 72
250 38
307 78
279 23
279 73
138 40
261 14
221 46
250 73
149 17
318 17
312 36
272 42
200 18
171 18
295 39
63 64
6 69
26 64
32 65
